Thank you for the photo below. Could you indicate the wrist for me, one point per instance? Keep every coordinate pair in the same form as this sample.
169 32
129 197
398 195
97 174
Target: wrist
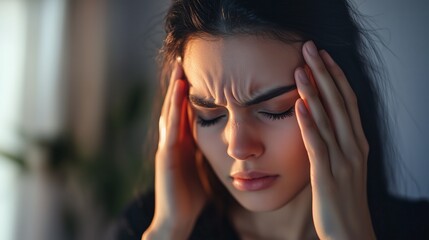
167 231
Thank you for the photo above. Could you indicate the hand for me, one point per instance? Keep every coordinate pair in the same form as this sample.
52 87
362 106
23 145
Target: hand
179 196
337 148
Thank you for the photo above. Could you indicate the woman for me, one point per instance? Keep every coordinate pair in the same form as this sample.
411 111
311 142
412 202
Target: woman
272 127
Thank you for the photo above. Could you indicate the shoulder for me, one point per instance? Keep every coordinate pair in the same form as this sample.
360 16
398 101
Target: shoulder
405 219
138 215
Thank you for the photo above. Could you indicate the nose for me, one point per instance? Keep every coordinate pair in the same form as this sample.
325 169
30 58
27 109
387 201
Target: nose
243 140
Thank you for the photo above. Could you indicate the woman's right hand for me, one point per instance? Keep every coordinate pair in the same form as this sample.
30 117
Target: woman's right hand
179 195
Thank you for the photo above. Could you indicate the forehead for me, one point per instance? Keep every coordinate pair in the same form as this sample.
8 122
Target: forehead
240 66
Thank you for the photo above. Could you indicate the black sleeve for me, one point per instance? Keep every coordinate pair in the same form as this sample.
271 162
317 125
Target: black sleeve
409 219
405 219
138 215
412 219
136 218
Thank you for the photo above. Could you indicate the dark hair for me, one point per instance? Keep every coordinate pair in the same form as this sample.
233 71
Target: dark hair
332 25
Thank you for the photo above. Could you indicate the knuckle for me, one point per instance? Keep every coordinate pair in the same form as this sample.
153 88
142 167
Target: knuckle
308 91
337 72
311 93
320 67
356 158
366 149
344 170
339 102
353 98
325 125
356 163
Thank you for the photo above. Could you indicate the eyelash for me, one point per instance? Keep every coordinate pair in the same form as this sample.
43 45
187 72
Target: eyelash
278 116
207 123
272 116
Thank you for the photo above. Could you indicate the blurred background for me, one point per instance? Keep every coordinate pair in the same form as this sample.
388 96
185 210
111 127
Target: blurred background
77 82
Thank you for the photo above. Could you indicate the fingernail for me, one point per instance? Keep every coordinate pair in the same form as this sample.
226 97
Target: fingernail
311 48
302 108
302 77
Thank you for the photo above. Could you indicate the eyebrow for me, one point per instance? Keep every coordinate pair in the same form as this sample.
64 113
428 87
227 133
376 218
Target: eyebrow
199 101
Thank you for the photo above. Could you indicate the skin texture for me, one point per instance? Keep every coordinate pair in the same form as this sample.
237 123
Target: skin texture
230 71
319 153
179 196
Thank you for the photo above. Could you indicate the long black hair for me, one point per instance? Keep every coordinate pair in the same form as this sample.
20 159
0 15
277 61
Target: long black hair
334 25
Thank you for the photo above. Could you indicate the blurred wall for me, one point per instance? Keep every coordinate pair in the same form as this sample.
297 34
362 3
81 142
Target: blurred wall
403 26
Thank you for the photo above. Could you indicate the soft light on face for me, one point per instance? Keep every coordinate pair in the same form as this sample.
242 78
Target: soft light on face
242 99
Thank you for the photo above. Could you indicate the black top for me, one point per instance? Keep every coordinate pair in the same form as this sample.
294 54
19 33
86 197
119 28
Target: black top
406 219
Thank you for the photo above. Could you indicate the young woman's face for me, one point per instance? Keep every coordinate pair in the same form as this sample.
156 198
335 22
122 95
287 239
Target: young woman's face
242 95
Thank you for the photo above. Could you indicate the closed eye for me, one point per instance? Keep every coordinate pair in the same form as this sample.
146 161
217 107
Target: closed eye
208 122
272 116
278 116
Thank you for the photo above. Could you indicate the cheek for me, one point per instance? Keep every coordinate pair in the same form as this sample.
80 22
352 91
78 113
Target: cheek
214 151
209 141
286 146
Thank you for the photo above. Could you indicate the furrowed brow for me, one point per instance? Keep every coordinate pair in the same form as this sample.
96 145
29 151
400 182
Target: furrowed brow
270 94
200 101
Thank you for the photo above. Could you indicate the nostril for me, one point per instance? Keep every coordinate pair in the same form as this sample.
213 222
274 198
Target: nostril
243 144
239 154
245 150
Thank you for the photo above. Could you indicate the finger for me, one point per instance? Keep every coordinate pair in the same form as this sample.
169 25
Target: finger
317 111
176 73
321 122
332 99
318 153
166 105
184 123
175 114
349 98
311 77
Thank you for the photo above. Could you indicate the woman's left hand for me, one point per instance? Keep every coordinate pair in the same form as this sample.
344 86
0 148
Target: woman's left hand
337 148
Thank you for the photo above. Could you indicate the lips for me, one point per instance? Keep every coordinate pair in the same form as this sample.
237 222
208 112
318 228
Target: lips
253 181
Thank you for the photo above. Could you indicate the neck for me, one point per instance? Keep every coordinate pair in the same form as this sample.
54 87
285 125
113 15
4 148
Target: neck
292 221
